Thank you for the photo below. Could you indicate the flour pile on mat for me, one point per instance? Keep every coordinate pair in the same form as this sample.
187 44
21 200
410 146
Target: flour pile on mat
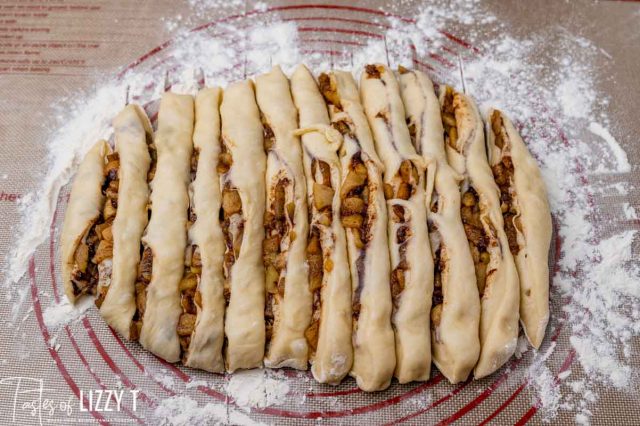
257 388
560 113
59 314
184 411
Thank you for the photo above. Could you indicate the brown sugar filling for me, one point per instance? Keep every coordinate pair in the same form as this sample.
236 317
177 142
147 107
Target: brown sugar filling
478 240
503 175
232 222
403 70
439 264
413 134
97 246
438 297
328 89
231 218
449 119
269 138
233 231
323 193
373 71
190 297
355 197
402 187
146 257
278 221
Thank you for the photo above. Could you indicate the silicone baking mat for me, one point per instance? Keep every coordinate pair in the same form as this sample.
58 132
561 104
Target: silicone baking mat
80 41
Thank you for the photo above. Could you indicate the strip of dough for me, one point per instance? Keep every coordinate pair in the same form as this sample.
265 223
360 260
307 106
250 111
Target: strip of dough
202 331
288 299
455 314
165 235
329 334
364 214
411 261
83 213
527 220
242 167
496 273
133 133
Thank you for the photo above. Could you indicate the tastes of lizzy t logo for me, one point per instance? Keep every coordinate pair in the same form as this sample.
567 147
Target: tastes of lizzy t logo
30 400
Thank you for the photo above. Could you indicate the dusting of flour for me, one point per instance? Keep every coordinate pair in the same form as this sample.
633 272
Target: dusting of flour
62 313
185 411
622 162
560 113
257 388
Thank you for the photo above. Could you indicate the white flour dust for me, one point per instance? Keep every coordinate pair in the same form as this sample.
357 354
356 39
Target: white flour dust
86 119
622 162
257 388
545 383
184 411
57 315
552 96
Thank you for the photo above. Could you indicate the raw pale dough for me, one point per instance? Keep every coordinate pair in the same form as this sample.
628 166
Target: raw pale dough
292 312
354 306
374 358
166 232
132 128
242 134
334 355
385 112
499 317
455 342
205 348
85 205
530 196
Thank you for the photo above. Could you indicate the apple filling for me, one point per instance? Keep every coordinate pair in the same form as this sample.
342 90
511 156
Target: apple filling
373 71
231 218
91 273
318 255
354 196
402 187
439 263
449 119
503 175
190 298
144 278
328 89
146 258
278 224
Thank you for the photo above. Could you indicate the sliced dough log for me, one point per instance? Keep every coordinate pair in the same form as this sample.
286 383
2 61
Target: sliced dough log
329 334
455 313
132 134
243 167
364 213
411 261
288 299
496 273
527 220
83 211
205 237
165 235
